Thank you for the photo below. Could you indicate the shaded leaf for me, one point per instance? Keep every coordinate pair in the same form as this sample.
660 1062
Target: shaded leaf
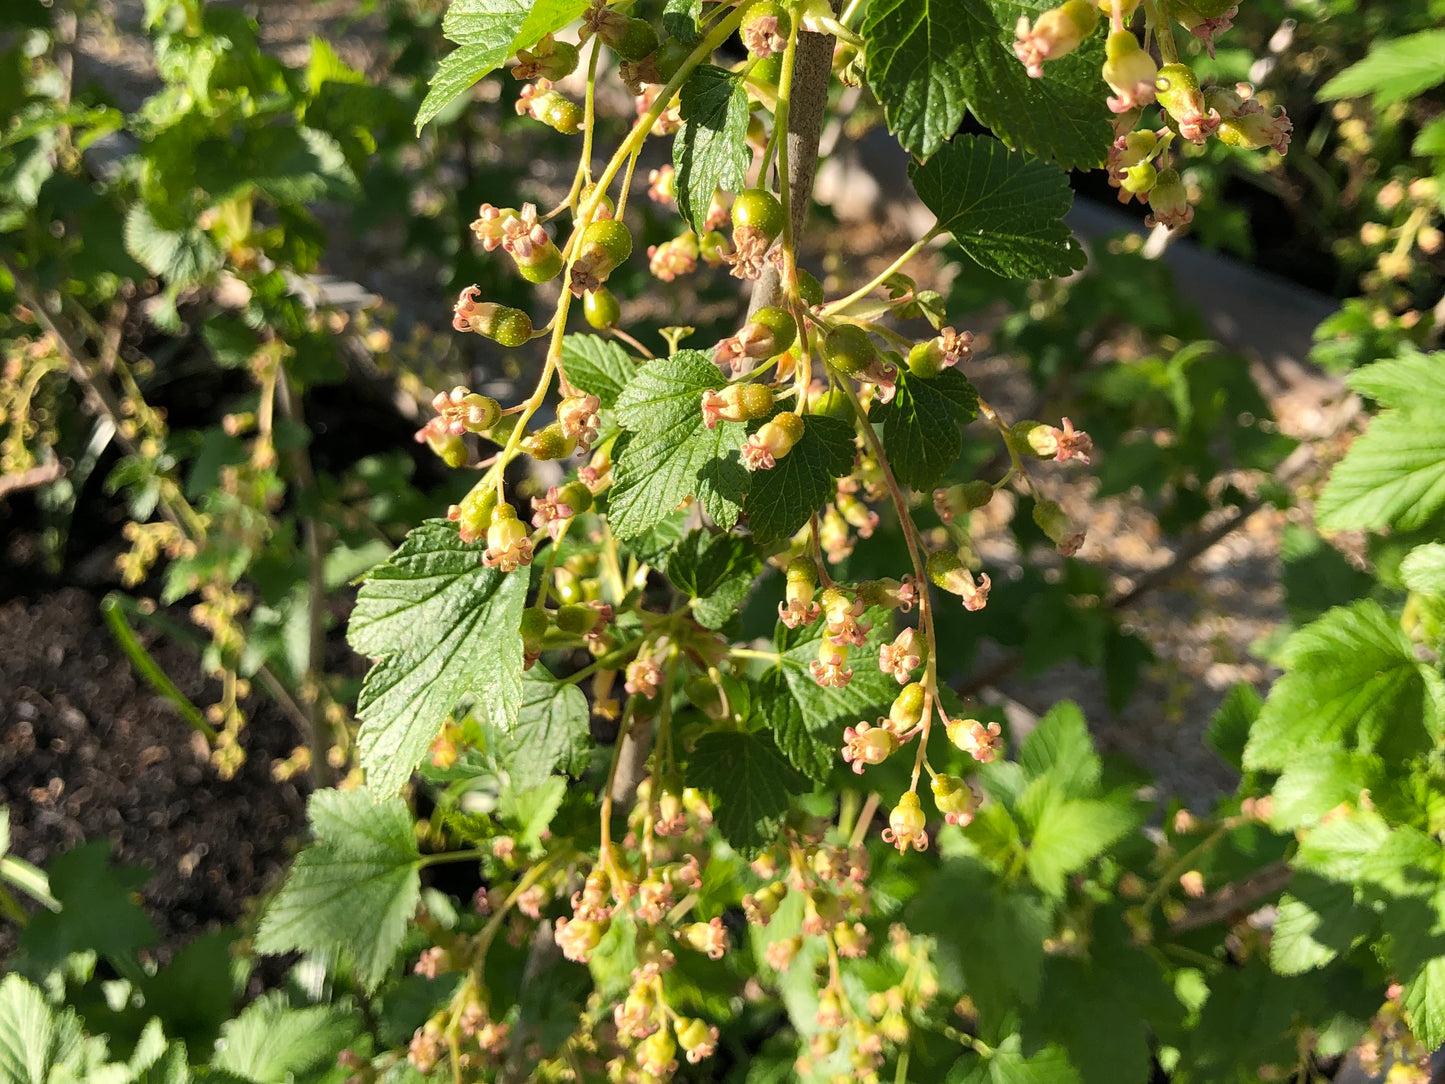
710 151
1005 209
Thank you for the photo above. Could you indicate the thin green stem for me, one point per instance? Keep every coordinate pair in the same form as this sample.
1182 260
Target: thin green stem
877 280
149 669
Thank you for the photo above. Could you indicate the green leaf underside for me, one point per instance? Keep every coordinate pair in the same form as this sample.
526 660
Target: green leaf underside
782 500
813 736
489 31
752 781
597 366
670 455
1004 208
444 628
717 571
929 60
1393 70
710 151
921 425
551 732
1351 677
352 892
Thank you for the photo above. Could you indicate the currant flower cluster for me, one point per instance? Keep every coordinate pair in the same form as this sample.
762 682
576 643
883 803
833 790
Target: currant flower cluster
1141 165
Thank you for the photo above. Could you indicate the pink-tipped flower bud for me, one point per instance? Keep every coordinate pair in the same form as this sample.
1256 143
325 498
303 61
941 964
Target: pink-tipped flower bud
696 1038
905 654
841 613
1169 201
1054 34
1130 72
983 743
830 669
798 607
906 824
578 417
961 499
509 546
947 570
773 440
736 403
578 938
707 937
1060 529
954 798
866 744
501 323
1051 442
1177 90
474 515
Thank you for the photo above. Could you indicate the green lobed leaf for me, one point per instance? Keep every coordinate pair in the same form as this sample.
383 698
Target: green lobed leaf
1392 476
353 890
1423 569
1005 209
1318 921
27 1033
680 19
1394 70
1229 727
1340 848
929 60
782 500
1007 1064
1315 781
1103 1006
997 955
550 734
272 1043
1351 681
774 706
1424 1002
710 151
1069 833
489 31
1060 747
814 736
1407 381
99 911
182 257
597 366
752 782
443 628
921 425
670 455
717 570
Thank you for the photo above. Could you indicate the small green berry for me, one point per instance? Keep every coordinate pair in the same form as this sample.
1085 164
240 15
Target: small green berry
848 349
601 308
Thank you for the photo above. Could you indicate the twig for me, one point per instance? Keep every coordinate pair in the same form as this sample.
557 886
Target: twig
1234 899
33 478
812 70
307 496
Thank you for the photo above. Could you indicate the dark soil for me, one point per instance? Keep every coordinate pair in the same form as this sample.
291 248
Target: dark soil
90 752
